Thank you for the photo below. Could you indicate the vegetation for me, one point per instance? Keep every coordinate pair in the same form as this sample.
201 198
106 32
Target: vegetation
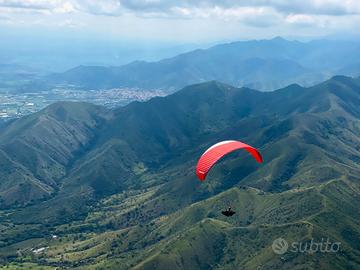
87 188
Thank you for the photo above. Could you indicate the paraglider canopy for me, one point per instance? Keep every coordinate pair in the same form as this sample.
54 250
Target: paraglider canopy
217 151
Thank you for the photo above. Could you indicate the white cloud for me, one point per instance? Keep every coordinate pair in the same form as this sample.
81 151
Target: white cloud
188 18
107 7
30 4
314 21
98 7
66 7
323 7
254 16
113 7
320 7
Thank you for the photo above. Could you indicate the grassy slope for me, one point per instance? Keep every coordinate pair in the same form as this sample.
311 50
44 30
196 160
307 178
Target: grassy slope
39 148
221 243
184 240
310 141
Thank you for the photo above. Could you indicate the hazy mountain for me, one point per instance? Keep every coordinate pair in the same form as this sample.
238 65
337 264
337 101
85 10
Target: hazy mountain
57 52
13 76
118 187
260 64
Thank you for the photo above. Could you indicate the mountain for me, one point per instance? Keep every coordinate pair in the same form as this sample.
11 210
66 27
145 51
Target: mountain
37 149
118 189
260 64
15 76
214 242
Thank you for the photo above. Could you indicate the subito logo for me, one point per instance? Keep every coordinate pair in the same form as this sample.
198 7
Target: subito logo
280 246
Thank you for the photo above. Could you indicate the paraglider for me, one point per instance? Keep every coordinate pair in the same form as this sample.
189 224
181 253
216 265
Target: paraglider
228 212
216 152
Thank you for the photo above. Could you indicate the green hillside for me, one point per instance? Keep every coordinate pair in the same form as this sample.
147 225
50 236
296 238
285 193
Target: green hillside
38 149
199 237
118 189
245 241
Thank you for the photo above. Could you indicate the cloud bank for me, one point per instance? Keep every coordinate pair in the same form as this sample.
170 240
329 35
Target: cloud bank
282 16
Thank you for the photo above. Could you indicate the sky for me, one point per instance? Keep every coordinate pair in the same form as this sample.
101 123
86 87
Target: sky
183 20
172 23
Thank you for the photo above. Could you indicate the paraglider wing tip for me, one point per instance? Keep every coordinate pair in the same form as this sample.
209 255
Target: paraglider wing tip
255 153
201 175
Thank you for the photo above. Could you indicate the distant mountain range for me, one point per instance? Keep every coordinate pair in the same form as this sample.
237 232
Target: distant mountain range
118 188
258 64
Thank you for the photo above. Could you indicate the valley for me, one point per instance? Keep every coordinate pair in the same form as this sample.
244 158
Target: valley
15 105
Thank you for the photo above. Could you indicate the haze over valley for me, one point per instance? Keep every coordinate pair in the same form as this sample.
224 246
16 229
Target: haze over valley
265 65
107 109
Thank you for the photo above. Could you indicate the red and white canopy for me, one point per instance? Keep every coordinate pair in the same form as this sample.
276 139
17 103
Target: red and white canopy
217 151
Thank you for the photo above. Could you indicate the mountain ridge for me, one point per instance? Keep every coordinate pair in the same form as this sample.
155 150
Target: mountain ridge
261 64
123 189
